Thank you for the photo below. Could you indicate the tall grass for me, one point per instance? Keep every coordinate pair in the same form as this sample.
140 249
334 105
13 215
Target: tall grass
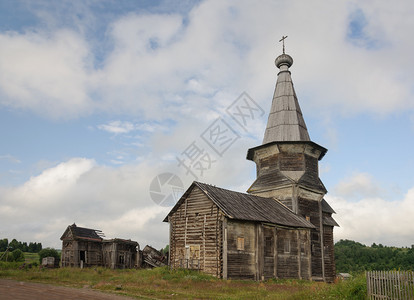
163 283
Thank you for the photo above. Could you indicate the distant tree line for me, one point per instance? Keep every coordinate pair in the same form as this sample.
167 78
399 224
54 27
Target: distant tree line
24 247
352 256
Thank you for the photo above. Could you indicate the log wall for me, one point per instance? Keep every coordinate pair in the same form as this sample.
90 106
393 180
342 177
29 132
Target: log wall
329 257
241 250
287 254
310 209
71 252
197 224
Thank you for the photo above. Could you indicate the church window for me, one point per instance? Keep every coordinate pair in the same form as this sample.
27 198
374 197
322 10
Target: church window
240 243
287 246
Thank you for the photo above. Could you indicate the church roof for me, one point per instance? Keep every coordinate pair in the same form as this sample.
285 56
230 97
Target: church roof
285 122
241 206
326 207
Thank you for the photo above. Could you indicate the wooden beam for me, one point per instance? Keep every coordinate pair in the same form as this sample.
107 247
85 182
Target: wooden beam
321 236
225 248
275 252
204 241
299 255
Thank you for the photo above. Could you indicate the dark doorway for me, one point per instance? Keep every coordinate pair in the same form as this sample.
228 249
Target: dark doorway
82 256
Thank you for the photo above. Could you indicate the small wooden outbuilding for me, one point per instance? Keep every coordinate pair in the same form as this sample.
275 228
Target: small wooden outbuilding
85 247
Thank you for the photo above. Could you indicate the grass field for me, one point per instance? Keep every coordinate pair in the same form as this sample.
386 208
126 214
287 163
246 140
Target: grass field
162 283
31 257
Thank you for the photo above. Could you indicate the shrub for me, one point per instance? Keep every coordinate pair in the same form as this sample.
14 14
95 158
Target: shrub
8 257
48 252
18 255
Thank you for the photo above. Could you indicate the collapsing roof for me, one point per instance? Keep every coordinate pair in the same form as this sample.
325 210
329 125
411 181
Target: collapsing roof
75 232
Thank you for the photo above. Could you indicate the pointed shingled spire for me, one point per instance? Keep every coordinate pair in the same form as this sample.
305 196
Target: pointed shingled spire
285 121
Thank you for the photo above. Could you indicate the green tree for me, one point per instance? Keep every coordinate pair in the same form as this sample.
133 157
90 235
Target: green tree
165 250
18 255
24 248
3 244
353 256
14 244
48 252
32 247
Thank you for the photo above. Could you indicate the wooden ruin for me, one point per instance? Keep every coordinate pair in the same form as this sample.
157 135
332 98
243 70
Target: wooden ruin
85 247
283 228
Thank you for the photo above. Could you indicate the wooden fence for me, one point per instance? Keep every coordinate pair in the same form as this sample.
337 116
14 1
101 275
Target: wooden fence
390 285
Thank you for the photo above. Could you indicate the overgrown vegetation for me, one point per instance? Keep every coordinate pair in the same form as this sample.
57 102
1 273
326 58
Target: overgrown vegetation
162 283
15 255
352 256
48 252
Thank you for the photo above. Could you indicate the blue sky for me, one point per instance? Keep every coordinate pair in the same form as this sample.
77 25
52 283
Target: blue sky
97 98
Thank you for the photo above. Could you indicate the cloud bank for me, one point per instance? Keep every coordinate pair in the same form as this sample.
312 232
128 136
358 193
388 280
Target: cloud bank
157 65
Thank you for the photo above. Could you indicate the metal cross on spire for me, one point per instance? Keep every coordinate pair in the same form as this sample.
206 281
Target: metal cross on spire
283 41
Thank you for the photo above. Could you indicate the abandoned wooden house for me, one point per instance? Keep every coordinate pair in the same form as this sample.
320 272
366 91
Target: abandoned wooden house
282 227
84 247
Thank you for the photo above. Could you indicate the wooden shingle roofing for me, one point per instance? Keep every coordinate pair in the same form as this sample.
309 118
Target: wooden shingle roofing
241 206
285 121
327 208
82 233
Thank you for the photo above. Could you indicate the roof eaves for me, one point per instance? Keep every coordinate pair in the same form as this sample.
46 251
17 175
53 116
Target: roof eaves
185 195
250 152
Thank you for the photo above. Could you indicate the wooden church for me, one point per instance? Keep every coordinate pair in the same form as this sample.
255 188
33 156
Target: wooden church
282 227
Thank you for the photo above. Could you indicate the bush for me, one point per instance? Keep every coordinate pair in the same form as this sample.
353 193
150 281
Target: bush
48 252
18 255
8 257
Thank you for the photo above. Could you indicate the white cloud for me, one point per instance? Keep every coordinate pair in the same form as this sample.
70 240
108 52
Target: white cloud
10 158
358 185
81 191
45 72
117 127
157 59
366 216
375 220
113 199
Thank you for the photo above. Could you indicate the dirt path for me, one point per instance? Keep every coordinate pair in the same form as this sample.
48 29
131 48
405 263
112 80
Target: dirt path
19 290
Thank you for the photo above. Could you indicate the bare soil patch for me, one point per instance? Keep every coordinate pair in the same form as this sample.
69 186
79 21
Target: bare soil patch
19 290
